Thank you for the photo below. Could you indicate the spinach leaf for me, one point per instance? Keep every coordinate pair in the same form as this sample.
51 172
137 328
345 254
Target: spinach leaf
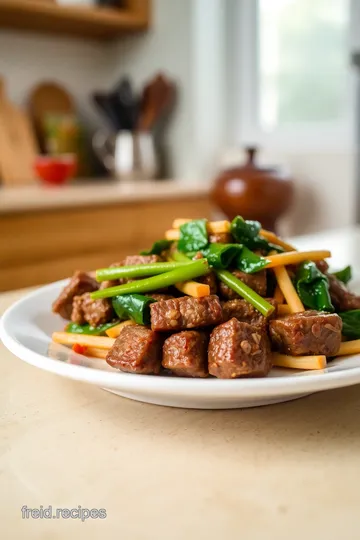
351 323
221 255
313 287
193 236
157 248
248 233
249 262
74 328
344 275
133 306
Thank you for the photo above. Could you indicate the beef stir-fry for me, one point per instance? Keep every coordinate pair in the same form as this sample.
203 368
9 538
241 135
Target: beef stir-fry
222 299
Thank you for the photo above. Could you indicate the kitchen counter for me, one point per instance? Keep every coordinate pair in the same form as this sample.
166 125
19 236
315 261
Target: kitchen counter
288 471
48 233
94 193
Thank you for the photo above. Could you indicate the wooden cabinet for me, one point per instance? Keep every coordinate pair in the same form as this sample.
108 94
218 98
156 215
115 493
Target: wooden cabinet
44 246
79 21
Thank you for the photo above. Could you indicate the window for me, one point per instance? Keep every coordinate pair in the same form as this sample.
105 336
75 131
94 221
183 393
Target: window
294 68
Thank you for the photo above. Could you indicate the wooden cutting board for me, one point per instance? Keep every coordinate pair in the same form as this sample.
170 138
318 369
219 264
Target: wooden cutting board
18 146
48 98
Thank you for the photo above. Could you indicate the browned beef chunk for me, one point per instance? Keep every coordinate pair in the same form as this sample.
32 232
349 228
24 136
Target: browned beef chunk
257 282
209 279
308 332
341 297
80 283
77 314
185 312
237 349
243 311
322 266
141 259
186 354
94 312
137 350
220 238
158 297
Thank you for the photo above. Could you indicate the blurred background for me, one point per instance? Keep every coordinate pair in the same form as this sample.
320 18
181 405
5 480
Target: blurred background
117 116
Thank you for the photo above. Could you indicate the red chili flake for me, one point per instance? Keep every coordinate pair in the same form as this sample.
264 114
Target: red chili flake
80 349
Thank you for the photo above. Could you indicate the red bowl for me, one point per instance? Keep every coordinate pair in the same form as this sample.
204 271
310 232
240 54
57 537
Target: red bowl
56 170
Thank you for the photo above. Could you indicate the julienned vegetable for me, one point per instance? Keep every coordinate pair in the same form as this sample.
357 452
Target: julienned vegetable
344 275
245 292
296 257
299 362
157 248
133 306
192 288
193 236
184 273
100 342
351 323
137 270
313 287
74 328
287 288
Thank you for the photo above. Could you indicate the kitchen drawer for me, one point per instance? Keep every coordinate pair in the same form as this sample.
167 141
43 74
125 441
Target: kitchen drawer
40 247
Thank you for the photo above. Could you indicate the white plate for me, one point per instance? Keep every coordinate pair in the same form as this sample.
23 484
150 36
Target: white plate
26 329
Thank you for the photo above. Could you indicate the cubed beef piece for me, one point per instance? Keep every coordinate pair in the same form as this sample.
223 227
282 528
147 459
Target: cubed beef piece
137 350
307 332
185 312
220 238
141 259
341 297
237 349
80 283
158 297
243 311
77 314
209 279
257 282
94 312
185 354
322 266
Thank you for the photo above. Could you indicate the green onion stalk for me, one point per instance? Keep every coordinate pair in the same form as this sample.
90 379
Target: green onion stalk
183 273
245 292
137 270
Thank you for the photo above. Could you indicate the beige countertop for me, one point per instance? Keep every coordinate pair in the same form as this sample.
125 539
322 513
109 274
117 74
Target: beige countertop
39 197
288 471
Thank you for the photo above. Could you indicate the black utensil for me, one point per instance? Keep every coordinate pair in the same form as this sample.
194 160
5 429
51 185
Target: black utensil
128 102
108 110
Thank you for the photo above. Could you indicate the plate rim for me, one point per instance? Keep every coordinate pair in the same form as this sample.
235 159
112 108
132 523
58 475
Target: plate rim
175 386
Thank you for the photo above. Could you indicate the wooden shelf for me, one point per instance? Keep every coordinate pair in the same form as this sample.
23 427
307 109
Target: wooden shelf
92 22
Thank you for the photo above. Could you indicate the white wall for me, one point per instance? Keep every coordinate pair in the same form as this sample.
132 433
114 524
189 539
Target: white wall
185 42
27 59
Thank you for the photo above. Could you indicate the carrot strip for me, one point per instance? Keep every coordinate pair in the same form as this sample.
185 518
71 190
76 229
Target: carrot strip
283 309
295 257
278 295
66 338
115 331
95 352
271 237
299 362
349 347
192 288
288 289
211 226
